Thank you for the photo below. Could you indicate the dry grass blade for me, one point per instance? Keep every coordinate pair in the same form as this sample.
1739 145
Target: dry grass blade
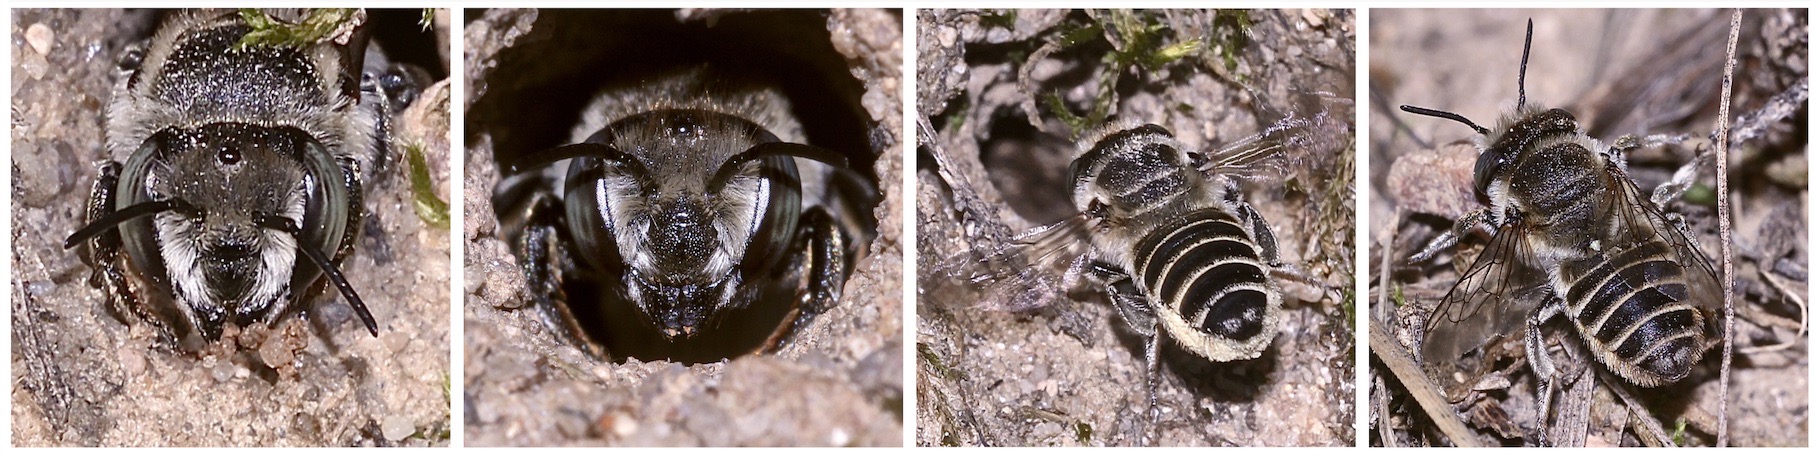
1724 228
1421 388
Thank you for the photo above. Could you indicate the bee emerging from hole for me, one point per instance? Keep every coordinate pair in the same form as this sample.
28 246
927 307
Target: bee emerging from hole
1168 235
1572 235
236 162
687 222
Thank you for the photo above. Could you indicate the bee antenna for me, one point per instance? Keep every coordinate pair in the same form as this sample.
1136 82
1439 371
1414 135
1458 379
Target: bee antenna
522 162
1445 115
776 149
321 261
1522 81
115 218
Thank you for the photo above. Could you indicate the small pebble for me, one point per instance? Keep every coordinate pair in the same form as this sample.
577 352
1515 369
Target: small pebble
40 37
397 428
624 425
131 361
221 372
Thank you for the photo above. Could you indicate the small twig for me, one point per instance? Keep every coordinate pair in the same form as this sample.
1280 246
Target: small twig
1722 219
1648 423
1775 321
1420 387
1383 422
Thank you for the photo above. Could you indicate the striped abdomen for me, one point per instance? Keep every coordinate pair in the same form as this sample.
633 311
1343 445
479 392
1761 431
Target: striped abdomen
1635 311
1207 268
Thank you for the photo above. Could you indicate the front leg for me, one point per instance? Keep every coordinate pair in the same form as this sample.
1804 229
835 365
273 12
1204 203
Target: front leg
1470 222
102 253
544 263
819 236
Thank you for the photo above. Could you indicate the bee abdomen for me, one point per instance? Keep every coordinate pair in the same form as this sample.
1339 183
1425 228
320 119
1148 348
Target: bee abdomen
1636 307
1207 267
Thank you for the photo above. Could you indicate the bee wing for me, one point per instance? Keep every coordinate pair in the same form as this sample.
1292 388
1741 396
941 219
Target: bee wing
1256 155
1038 267
1644 219
1493 297
1250 157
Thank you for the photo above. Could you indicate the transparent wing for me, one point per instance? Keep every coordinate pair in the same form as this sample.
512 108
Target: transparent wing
1493 297
1642 220
1035 269
1253 156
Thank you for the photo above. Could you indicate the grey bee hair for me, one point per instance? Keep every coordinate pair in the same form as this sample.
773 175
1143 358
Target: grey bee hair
738 206
320 109
148 103
1116 245
182 255
1499 190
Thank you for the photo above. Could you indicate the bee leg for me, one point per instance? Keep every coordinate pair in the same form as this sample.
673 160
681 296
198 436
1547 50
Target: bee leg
1681 181
1264 237
1463 227
541 262
826 276
103 251
1140 317
1541 361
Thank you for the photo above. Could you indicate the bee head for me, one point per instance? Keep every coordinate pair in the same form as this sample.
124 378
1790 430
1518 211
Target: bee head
679 202
1505 144
230 174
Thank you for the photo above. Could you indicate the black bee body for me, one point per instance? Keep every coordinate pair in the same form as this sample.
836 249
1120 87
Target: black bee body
230 166
686 223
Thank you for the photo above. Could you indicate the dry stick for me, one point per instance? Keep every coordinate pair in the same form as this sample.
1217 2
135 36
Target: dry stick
1655 431
1722 219
1379 398
1420 388
1381 302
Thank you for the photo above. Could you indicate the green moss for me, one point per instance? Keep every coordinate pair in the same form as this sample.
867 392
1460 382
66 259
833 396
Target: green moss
1701 195
1138 40
1229 35
1678 432
999 18
319 26
429 207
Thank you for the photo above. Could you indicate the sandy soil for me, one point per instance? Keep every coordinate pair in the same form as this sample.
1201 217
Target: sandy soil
838 384
82 378
1631 72
1068 373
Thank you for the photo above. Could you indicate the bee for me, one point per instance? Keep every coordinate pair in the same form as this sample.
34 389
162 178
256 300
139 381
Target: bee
1170 239
227 164
687 221
1572 235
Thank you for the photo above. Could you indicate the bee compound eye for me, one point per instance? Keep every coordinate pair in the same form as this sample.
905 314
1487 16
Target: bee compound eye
1487 165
